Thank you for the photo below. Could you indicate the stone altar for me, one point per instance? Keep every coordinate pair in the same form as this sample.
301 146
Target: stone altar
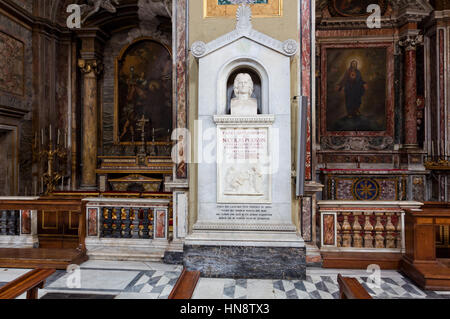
244 226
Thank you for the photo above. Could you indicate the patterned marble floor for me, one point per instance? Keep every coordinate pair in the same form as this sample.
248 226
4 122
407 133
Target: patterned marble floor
319 284
118 279
141 280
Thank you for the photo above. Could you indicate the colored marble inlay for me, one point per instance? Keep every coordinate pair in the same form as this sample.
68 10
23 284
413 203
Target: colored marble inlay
328 230
306 218
92 221
26 222
366 189
11 65
181 104
160 224
306 75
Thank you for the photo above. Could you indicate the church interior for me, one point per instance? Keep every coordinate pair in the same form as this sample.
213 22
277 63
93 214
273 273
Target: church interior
254 149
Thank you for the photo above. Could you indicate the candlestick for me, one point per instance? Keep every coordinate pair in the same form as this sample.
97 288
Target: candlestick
65 140
57 140
42 136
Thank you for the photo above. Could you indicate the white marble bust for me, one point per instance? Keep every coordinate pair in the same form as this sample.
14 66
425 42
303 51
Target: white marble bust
243 103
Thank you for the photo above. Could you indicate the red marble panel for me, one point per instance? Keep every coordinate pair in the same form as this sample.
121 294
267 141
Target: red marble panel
26 222
328 229
92 221
306 76
410 97
160 224
181 67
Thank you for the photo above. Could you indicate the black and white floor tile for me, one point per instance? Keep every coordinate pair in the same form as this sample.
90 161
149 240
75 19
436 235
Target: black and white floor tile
143 280
319 284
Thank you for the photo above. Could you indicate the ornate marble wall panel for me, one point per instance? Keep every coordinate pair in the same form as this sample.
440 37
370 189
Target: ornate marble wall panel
307 84
306 218
373 187
180 76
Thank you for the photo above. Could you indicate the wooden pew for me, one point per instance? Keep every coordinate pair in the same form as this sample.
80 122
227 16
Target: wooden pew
29 283
350 288
185 286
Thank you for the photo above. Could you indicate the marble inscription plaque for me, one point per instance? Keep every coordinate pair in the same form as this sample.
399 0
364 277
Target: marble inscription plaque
244 165
248 213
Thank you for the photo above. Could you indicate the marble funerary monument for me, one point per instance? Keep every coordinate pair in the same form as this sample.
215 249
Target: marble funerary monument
245 227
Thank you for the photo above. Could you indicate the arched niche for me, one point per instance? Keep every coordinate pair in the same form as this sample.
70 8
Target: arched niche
225 84
256 87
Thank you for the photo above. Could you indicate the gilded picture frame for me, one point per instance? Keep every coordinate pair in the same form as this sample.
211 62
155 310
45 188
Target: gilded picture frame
213 9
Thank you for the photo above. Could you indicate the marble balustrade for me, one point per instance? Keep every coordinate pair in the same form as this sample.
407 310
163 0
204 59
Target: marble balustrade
363 225
9 222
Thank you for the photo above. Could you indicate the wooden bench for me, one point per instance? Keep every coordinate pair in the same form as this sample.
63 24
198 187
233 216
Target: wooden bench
29 283
185 286
350 288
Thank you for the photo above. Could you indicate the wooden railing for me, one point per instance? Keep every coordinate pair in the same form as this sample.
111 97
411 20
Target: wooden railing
18 206
350 288
363 225
185 285
29 283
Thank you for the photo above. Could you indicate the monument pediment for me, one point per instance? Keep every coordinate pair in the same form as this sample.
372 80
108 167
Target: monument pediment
244 29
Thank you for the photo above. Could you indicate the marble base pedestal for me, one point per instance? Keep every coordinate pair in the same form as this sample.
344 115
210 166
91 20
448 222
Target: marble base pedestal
246 262
246 255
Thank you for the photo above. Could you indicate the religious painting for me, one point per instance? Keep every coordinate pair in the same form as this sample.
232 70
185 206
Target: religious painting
354 8
11 65
143 101
356 84
227 8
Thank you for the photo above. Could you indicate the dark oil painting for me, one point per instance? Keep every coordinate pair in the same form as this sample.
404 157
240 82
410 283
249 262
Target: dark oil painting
348 8
144 93
356 89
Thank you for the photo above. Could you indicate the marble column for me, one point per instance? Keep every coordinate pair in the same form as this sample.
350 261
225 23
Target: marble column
91 70
410 91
